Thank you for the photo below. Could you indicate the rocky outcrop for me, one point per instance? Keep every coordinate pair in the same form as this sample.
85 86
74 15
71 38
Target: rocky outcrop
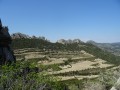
91 42
6 53
24 36
77 41
19 36
69 41
62 41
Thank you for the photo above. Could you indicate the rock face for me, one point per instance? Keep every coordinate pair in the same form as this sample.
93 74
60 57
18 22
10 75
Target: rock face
19 35
69 41
91 42
24 36
77 41
62 41
6 53
5 38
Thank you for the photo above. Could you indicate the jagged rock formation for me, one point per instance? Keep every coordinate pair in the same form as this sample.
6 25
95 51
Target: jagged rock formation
77 41
91 42
19 35
69 41
6 54
62 41
24 36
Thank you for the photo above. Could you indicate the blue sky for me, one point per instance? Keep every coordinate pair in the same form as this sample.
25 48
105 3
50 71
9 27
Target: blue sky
97 20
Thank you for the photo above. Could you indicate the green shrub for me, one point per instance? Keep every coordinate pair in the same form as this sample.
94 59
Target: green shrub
16 77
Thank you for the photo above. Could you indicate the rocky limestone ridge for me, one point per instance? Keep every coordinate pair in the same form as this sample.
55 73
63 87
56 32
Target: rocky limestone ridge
24 36
91 42
19 36
69 41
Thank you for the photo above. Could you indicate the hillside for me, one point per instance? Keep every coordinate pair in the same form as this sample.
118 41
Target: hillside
76 64
113 48
21 43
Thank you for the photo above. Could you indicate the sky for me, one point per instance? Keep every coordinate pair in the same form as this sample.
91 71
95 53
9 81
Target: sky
97 20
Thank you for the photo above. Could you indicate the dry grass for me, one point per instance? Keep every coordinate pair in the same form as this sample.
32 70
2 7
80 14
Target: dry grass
53 61
82 65
77 77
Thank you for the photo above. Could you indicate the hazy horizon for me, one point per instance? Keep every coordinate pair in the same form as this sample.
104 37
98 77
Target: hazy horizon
97 20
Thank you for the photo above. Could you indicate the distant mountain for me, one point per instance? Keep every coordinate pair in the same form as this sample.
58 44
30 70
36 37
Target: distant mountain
110 47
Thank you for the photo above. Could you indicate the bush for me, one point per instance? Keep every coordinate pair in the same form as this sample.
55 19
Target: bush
23 76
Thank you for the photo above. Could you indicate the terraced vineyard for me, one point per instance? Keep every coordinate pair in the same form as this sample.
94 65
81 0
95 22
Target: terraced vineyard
80 66
66 65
